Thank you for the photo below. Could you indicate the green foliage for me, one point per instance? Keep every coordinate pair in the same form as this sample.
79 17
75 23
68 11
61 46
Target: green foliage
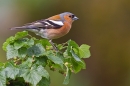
29 56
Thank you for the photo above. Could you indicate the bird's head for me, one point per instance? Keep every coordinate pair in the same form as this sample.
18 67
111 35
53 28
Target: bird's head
66 16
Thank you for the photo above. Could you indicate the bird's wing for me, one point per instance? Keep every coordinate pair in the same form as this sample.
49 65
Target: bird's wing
42 24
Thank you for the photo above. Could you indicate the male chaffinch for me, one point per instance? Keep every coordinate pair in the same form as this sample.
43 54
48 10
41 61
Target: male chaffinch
51 28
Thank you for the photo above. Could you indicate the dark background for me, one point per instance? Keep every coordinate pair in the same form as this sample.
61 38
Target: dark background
102 24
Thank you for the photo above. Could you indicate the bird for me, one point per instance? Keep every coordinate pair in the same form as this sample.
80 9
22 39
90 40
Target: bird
51 28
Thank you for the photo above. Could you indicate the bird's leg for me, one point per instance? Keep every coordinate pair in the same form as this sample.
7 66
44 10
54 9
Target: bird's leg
54 47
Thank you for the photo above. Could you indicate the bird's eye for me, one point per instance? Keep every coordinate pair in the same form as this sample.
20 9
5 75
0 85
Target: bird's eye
72 16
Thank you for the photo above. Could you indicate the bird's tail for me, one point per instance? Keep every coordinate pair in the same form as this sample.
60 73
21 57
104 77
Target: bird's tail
15 28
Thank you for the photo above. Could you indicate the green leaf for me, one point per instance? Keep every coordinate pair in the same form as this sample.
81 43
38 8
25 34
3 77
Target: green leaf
67 55
56 60
27 63
67 77
1 65
30 42
4 46
22 34
73 44
44 82
31 76
23 42
8 41
44 42
75 66
36 50
18 44
41 61
2 79
43 72
12 39
77 59
11 52
62 46
11 71
35 74
84 51
42 49
60 55
22 52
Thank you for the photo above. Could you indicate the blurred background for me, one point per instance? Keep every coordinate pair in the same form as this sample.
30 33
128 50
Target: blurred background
102 24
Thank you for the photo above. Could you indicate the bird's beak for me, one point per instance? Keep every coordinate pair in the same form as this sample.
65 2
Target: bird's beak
75 18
